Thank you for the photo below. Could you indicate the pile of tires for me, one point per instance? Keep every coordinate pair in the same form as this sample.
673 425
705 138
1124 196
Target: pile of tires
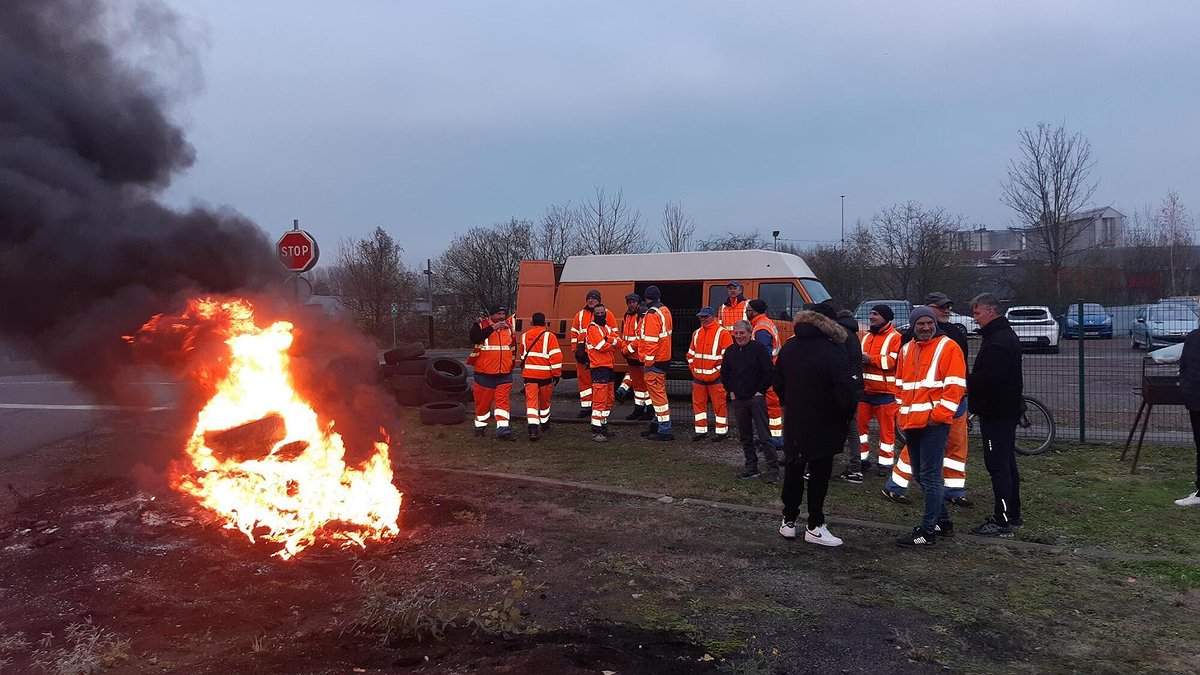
438 385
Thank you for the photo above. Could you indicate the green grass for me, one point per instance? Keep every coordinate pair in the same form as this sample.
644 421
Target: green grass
1075 495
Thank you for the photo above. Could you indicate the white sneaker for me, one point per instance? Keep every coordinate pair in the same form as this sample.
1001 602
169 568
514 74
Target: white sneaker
788 530
821 536
1190 500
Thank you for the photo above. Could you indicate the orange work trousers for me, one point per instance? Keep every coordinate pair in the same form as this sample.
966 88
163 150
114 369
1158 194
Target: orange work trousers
585 386
656 386
702 393
886 415
485 399
635 380
537 403
774 416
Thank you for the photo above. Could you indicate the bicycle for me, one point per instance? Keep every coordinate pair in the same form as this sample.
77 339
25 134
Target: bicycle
1036 429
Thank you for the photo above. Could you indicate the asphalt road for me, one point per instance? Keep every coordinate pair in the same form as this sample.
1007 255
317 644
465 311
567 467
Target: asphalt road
37 408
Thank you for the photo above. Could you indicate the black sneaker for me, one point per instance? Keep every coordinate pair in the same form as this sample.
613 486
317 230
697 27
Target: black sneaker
894 498
944 530
661 437
961 502
772 476
919 538
849 476
991 528
748 474
696 438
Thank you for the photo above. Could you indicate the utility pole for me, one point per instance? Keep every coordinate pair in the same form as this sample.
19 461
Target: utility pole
428 272
775 233
843 220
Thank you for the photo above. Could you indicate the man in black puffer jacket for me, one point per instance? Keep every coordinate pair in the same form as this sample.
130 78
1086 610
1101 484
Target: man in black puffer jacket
1189 382
845 319
994 390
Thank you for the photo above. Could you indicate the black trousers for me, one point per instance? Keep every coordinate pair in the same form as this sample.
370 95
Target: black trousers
1194 416
819 471
750 415
1000 457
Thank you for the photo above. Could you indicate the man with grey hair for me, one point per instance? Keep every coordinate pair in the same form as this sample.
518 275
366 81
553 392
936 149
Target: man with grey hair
995 395
746 374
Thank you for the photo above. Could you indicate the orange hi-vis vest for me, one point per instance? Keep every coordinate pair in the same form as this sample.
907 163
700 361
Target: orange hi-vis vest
932 378
494 356
882 350
601 342
654 340
707 351
628 340
729 314
764 322
541 355
579 325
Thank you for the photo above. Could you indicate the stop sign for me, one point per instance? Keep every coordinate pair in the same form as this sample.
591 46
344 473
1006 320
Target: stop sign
297 250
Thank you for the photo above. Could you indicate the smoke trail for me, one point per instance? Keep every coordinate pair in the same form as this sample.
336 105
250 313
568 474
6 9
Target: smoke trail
86 252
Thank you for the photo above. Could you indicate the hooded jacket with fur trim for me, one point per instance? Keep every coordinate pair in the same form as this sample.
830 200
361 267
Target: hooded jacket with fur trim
816 386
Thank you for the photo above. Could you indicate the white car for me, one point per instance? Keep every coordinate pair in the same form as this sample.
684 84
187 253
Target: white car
1035 327
968 323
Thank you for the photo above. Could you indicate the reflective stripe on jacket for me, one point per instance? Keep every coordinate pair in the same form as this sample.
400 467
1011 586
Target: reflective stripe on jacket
707 351
729 314
882 350
764 322
654 340
600 341
579 324
541 354
494 356
932 379
628 340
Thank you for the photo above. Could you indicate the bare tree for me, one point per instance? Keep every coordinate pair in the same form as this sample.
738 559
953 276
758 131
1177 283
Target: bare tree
370 276
914 249
1046 187
481 267
556 237
609 225
734 241
1174 225
677 228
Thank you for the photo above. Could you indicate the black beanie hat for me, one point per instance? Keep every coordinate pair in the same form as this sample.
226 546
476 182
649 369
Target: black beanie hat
759 305
538 319
884 311
826 309
653 294
593 294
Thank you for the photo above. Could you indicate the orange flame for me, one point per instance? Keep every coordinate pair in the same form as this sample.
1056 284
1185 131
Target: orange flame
292 498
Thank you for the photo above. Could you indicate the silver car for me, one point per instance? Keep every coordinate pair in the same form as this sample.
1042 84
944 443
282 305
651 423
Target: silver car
1161 325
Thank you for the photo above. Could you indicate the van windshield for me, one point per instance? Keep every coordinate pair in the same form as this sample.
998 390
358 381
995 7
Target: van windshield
815 290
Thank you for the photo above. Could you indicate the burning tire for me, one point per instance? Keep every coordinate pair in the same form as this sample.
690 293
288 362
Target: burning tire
443 373
408 350
444 412
414 366
460 393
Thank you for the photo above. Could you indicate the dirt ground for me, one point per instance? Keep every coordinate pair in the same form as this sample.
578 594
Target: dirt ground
523 579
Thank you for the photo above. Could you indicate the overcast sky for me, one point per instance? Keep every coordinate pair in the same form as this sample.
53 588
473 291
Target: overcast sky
429 118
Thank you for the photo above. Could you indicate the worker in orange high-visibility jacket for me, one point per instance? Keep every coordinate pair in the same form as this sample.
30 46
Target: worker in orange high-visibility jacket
932 379
733 309
654 348
541 369
600 340
880 351
704 357
764 331
579 324
493 357
635 380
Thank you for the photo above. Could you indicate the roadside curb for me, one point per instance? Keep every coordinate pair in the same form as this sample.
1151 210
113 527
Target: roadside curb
1051 549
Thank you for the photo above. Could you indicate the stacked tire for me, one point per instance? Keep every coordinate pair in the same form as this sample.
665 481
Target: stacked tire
437 385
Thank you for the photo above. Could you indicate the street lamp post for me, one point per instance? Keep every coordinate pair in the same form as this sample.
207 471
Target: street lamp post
428 272
775 234
843 220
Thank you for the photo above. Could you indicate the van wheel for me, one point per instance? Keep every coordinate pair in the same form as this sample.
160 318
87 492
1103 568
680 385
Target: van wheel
443 413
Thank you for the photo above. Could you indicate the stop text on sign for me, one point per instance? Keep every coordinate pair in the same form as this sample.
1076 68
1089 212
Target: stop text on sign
297 250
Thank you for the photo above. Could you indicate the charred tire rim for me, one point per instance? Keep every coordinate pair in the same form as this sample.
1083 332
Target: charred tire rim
408 350
444 372
443 412
414 366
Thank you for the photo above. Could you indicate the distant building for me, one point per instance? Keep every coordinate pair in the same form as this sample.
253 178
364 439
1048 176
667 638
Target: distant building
1099 228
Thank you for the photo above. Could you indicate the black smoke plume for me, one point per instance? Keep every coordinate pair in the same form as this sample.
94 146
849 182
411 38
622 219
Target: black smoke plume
86 252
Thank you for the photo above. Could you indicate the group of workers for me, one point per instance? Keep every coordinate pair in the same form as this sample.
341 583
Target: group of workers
916 381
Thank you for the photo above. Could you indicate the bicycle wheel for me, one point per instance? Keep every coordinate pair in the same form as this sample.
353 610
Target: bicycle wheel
1035 429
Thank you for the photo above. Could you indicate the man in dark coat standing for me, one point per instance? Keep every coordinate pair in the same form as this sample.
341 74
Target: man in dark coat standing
746 373
994 393
1189 382
818 392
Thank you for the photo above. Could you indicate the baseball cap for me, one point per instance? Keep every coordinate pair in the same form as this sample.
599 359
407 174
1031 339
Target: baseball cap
735 283
706 311
936 299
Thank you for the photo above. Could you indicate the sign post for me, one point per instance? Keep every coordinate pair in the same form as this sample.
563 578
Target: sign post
298 252
395 313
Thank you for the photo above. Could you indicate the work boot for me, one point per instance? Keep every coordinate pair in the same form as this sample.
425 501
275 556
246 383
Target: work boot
697 437
636 414
621 395
506 437
662 437
653 429
585 412
533 432
717 438
648 413
607 432
598 434
480 432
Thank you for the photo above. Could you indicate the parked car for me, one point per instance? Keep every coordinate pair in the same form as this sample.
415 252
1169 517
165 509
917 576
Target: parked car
1035 327
968 323
900 309
1097 322
1187 300
1161 325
